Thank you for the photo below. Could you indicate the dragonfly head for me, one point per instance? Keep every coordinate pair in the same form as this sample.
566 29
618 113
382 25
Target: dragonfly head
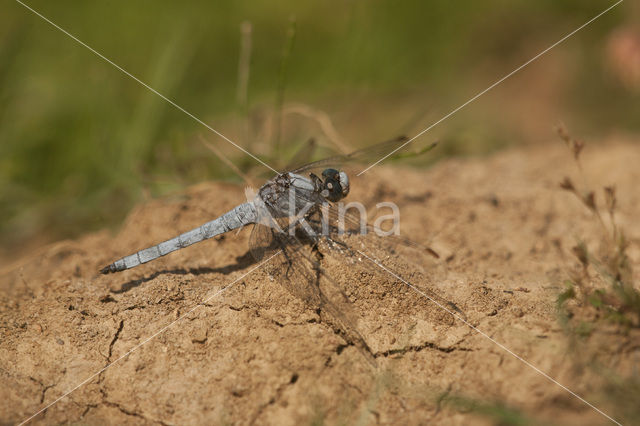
335 185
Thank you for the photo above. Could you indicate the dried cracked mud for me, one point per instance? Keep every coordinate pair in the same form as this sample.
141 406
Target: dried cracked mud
254 354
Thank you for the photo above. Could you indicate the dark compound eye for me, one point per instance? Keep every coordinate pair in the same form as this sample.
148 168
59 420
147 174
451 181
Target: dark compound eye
330 173
333 185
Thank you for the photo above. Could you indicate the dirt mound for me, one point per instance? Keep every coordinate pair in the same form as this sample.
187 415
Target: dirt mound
255 354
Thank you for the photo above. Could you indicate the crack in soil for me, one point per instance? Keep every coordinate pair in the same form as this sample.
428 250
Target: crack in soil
115 338
87 409
45 388
103 391
111 344
132 413
418 348
277 395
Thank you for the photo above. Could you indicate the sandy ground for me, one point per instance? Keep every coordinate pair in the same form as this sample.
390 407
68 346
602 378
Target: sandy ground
255 354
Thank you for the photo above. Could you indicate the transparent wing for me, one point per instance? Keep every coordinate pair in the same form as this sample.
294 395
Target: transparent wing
369 154
323 292
348 235
299 280
349 223
261 242
297 268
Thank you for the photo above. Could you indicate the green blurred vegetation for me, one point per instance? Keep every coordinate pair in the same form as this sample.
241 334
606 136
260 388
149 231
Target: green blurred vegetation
80 142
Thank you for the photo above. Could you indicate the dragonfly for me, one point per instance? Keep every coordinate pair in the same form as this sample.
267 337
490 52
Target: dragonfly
298 219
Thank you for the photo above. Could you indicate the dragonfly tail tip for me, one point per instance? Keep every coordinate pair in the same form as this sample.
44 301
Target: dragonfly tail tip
107 269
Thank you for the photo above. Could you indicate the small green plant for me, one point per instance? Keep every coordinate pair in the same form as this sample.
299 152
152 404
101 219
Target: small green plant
604 282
